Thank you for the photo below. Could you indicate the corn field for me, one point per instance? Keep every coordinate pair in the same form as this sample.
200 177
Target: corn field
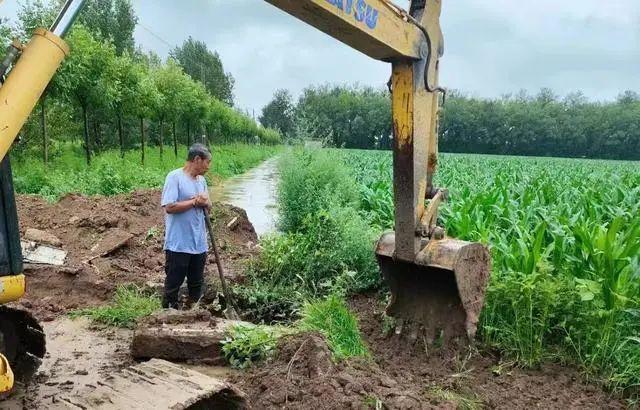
565 242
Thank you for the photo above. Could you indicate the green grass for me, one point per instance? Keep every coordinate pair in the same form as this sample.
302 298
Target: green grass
129 304
332 318
109 174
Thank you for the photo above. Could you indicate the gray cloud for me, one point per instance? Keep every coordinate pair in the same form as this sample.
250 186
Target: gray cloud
492 47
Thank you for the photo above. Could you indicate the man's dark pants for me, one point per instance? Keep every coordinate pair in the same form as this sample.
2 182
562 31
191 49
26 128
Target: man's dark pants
177 266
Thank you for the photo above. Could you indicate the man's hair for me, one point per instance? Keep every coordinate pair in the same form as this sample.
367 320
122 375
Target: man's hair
198 150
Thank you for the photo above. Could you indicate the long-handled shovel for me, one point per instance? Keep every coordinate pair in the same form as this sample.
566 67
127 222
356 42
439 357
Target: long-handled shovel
231 312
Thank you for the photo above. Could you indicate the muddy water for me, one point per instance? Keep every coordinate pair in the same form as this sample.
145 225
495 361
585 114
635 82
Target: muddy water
255 192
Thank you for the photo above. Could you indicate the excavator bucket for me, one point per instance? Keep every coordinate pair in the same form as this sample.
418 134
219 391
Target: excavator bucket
439 295
22 342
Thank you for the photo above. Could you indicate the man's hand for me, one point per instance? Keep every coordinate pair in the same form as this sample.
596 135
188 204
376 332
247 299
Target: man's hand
202 200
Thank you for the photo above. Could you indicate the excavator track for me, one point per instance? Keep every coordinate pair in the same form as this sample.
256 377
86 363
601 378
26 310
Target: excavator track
22 341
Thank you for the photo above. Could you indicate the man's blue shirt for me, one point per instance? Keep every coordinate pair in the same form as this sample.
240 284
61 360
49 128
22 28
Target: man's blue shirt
186 231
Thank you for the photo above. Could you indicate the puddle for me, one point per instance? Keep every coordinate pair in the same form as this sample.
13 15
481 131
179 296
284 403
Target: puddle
256 192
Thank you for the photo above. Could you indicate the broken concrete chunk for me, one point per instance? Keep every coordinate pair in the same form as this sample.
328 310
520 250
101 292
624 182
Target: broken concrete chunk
114 239
157 384
36 235
181 335
33 252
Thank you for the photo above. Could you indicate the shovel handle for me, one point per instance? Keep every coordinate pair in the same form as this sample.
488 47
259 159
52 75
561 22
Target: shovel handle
225 289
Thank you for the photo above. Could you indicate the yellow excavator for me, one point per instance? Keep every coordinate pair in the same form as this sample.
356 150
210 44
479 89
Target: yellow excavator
437 283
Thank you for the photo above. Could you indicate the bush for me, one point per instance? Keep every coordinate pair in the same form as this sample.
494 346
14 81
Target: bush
309 182
327 248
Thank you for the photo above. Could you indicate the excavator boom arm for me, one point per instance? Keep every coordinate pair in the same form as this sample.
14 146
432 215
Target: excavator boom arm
377 28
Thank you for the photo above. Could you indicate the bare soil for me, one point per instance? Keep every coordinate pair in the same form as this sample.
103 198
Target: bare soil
81 223
302 374
399 376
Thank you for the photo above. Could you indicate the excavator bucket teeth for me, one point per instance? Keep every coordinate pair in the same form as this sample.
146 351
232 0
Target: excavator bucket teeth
442 292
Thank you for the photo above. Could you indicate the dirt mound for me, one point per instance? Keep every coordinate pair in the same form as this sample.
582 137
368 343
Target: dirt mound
482 378
303 375
81 223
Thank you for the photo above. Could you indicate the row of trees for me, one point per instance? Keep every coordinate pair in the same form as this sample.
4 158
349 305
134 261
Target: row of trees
122 97
351 117
543 124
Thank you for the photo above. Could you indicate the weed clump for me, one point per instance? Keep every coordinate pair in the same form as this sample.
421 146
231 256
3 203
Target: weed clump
332 318
246 345
129 304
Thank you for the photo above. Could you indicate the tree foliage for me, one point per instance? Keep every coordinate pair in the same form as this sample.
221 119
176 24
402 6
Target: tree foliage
516 124
113 94
279 113
356 117
543 125
206 67
111 20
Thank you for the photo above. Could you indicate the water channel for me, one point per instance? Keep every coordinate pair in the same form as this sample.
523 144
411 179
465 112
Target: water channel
255 191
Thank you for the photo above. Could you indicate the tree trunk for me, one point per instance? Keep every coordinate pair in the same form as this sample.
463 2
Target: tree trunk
161 141
43 125
120 134
85 118
98 127
142 138
175 140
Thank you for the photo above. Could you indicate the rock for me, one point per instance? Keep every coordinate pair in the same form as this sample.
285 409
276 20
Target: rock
74 220
181 335
344 379
388 382
36 235
113 240
34 253
70 270
233 223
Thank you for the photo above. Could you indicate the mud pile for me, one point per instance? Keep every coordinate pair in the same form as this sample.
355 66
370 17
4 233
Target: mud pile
84 224
303 375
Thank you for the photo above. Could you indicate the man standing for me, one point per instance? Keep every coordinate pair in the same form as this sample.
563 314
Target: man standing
185 200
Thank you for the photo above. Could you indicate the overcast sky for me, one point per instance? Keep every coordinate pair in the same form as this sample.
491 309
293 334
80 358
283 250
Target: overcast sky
492 47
